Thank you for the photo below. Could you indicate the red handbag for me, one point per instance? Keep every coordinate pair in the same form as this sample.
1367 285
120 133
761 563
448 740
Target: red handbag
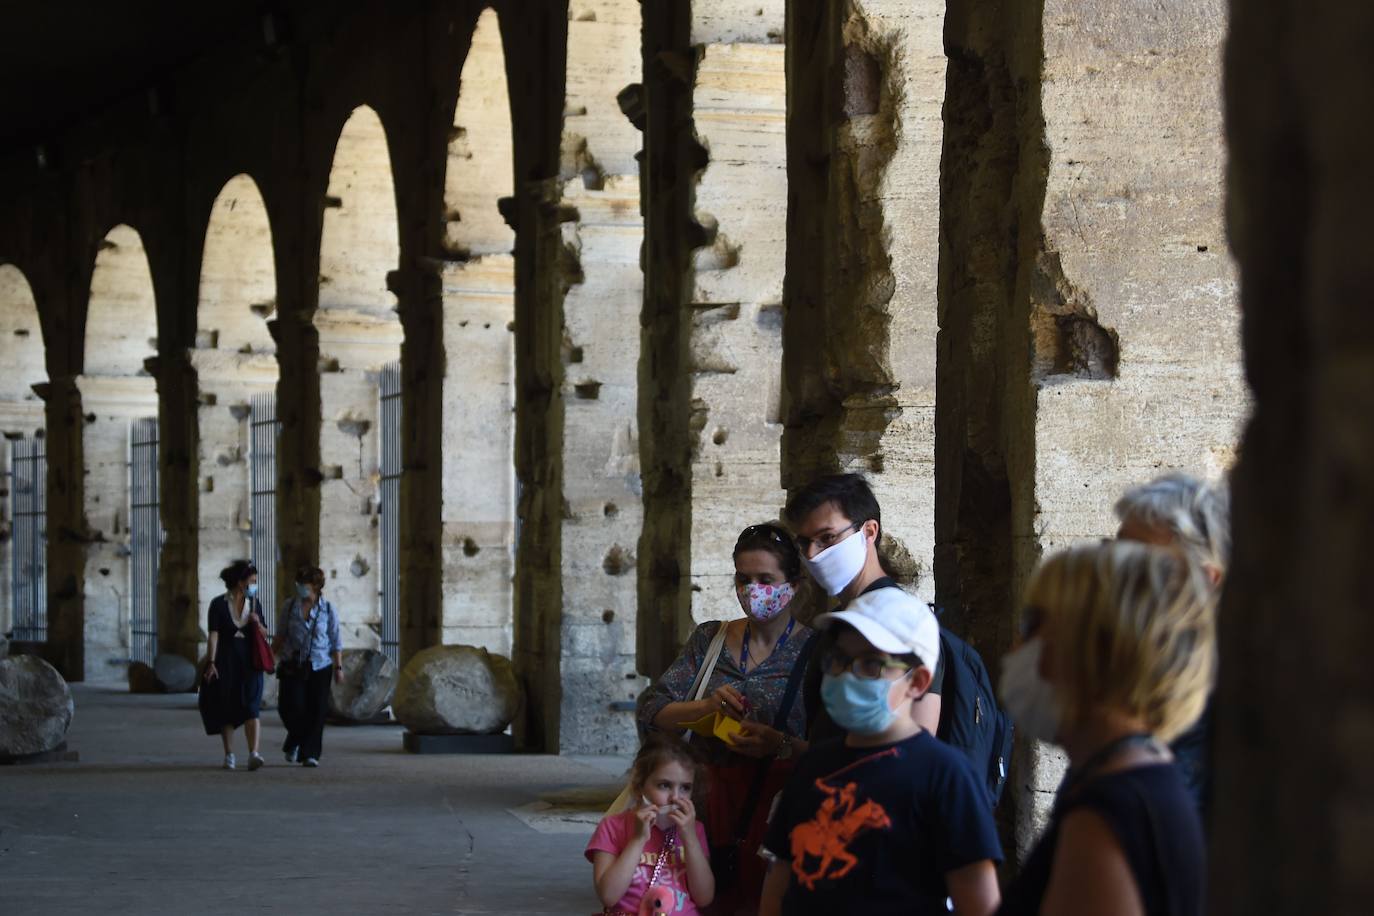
262 652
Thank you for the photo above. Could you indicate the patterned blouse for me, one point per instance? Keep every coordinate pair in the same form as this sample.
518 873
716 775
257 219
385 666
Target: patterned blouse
764 686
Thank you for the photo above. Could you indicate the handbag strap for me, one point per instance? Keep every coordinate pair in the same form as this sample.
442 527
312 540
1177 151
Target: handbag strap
789 697
708 664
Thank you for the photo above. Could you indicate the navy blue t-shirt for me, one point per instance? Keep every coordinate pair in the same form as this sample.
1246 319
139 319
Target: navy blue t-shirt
874 829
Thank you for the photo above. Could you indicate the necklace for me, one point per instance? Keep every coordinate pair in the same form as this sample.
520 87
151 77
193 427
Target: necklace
744 650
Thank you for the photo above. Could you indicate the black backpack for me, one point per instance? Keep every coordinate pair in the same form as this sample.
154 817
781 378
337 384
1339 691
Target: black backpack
970 719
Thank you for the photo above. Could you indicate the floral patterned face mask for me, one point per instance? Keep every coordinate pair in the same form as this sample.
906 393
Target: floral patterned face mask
764 602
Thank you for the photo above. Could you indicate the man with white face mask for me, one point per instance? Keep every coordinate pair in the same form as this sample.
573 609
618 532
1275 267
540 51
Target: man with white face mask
838 526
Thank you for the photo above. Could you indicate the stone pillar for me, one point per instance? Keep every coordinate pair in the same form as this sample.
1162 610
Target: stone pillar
1088 334
1294 790
298 448
716 225
866 83
419 303
538 40
186 486
110 404
66 521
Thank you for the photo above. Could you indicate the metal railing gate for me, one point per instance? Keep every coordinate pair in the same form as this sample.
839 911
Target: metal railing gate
390 585
145 528
262 451
29 544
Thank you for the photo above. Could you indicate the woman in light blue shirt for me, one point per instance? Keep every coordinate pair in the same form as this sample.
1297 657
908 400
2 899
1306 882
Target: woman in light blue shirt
308 645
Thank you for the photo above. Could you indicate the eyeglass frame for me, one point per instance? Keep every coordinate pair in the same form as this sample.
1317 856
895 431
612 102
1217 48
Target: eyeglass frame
826 541
831 654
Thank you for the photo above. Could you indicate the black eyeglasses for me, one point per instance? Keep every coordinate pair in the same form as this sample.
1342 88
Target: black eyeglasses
865 667
828 540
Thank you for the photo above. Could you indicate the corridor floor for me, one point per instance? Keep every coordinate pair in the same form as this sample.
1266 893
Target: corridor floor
148 823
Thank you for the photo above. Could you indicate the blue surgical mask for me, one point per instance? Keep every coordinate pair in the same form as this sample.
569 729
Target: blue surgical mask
858 706
302 590
252 590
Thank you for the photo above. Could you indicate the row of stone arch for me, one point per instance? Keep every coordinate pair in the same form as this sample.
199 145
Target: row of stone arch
234 359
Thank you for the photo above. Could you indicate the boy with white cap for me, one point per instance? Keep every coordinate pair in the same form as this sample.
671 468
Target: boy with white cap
890 819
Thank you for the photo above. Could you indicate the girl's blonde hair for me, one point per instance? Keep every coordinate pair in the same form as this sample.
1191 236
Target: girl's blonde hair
1133 627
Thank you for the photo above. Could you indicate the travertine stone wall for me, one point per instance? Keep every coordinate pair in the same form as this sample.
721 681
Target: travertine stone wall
234 359
121 333
602 512
867 85
359 333
714 198
1101 349
479 345
1294 790
735 318
21 410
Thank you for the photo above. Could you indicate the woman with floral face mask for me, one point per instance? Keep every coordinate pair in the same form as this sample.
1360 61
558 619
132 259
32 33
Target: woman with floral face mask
748 717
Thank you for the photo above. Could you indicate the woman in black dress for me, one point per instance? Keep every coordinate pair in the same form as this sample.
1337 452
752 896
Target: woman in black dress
231 690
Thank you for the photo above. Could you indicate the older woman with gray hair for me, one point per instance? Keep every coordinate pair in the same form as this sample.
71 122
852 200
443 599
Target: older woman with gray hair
1191 515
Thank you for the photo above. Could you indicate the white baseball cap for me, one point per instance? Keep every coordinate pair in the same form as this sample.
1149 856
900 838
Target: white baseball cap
894 622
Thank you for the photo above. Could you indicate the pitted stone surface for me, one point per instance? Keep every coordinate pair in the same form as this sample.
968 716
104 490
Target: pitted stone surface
368 685
36 706
174 674
457 690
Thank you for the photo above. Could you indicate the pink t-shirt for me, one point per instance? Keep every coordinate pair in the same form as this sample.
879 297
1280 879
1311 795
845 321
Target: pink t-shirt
613 835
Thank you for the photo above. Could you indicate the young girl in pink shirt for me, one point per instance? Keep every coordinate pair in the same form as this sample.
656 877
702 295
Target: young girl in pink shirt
653 857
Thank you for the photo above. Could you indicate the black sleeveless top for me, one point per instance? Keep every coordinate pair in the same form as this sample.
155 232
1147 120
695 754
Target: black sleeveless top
1154 819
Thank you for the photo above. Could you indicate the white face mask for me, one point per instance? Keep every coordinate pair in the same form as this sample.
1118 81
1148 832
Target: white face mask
1028 697
661 820
839 564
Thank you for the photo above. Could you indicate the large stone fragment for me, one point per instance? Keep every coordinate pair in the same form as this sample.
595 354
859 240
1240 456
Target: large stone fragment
368 685
449 690
175 674
35 706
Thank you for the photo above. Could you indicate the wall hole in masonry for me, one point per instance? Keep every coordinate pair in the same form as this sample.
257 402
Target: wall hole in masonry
587 391
608 616
470 548
720 435
611 510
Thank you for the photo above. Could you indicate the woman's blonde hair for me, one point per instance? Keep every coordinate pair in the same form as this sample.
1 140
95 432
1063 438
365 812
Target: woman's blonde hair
1133 627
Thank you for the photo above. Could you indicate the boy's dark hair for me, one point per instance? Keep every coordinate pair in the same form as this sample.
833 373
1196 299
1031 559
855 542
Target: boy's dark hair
237 571
665 747
775 540
849 492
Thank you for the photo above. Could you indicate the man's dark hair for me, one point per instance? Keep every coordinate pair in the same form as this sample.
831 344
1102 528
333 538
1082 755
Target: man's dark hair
849 492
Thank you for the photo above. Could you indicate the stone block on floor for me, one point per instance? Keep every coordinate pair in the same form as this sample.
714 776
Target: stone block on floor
457 690
175 674
36 707
368 686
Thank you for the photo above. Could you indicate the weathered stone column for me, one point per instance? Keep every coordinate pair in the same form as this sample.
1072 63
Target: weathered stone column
866 83
66 526
1294 789
186 483
538 40
419 304
1088 330
710 381
298 448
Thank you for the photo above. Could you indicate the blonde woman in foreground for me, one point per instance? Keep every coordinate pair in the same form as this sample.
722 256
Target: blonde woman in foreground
1116 657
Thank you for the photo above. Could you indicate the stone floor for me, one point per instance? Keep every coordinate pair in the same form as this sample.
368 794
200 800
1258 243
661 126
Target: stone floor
146 822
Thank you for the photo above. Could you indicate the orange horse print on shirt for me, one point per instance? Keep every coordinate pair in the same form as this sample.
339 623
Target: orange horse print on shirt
825 839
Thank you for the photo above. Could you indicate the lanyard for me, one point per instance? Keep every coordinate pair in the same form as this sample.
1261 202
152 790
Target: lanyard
744 650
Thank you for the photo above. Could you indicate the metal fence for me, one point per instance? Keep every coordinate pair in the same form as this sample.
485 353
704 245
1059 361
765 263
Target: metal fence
145 528
29 544
262 452
390 586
